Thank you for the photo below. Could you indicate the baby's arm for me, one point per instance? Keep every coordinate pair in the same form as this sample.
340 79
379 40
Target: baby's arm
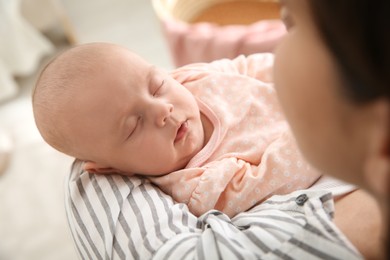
233 185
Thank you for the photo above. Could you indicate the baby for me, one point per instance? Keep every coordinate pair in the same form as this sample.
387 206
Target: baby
210 135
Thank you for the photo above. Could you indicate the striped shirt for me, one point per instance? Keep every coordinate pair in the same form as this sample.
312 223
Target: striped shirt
118 217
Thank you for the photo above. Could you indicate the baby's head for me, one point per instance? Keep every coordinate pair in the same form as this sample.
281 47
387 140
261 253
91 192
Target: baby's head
103 104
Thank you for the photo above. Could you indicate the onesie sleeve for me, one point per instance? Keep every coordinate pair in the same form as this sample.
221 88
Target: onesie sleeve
257 66
233 185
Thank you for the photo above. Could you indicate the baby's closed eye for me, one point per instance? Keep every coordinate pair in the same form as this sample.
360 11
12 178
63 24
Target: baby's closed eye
133 127
159 89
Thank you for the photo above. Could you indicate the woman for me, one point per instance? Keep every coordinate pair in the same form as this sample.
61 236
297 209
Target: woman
332 76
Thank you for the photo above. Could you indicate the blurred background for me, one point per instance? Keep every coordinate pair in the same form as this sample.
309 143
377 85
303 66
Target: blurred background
32 218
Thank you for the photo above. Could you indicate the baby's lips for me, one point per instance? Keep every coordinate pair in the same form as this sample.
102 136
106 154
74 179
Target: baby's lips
181 131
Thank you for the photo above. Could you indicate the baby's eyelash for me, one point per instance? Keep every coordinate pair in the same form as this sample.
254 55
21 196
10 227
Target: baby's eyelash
159 87
133 130
131 133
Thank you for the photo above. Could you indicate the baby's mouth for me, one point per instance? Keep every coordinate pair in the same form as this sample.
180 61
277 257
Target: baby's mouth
181 131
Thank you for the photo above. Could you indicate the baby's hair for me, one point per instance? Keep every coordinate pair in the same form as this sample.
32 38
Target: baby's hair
48 90
57 84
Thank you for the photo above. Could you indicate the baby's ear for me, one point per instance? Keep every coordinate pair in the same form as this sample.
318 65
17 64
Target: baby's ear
97 168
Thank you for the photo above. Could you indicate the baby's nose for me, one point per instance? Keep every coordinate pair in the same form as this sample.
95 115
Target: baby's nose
162 112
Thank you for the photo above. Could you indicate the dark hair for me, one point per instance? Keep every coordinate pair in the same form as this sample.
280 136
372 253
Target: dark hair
357 34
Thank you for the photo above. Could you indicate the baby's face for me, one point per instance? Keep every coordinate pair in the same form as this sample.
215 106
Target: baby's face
135 118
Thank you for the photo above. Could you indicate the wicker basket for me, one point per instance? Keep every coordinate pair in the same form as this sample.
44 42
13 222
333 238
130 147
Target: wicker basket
206 41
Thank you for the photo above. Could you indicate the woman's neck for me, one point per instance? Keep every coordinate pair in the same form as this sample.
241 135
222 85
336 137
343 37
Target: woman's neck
385 230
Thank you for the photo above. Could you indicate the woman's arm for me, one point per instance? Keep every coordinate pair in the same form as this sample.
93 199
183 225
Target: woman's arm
358 217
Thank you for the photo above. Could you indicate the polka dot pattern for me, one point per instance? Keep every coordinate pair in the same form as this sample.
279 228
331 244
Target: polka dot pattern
255 155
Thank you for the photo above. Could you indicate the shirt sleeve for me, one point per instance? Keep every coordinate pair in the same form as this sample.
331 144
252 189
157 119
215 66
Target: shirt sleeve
258 66
117 217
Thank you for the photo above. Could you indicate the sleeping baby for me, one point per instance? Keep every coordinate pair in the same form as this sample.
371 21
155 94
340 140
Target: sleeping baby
210 135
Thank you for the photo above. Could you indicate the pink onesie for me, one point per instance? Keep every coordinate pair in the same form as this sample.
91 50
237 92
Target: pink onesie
251 154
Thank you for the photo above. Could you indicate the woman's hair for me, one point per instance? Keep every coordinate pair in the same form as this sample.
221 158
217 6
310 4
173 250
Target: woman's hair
357 34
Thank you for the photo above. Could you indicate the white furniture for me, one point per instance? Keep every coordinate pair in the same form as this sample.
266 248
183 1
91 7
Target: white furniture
21 47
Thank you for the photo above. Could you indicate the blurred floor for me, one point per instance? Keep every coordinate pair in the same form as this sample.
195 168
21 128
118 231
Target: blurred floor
32 217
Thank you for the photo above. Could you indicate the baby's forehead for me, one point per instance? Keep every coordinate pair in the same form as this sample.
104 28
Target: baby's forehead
81 69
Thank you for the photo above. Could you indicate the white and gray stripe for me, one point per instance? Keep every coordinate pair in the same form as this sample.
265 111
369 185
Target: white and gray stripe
115 217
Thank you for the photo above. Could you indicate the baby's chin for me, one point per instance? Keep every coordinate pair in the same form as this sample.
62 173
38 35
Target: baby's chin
177 167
